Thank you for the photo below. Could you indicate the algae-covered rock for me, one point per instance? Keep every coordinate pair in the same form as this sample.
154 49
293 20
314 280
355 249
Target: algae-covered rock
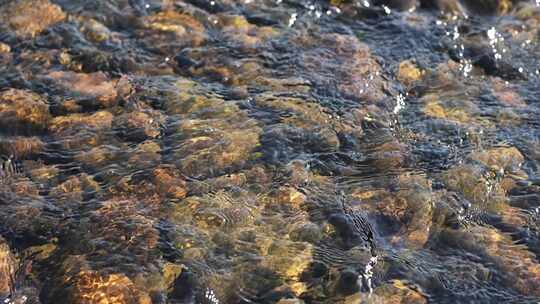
488 7
4 48
80 284
289 259
417 195
138 125
169 183
21 146
446 107
408 73
186 31
290 196
239 30
94 30
28 18
395 292
7 268
475 184
23 112
506 94
97 121
94 89
521 269
76 188
227 149
401 5
98 156
306 232
504 158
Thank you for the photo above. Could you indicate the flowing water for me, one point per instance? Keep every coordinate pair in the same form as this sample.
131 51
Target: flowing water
269 151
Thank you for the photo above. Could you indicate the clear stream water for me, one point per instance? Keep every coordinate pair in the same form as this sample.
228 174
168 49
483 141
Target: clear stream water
269 151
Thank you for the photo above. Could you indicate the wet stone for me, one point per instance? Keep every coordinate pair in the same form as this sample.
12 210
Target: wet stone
396 292
7 268
207 156
220 182
417 218
475 183
95 31
4 48
91 90
488 7
41 173
183 28
306 232
505 158
521 268
288 195
290 301
361 79
506 95
408 73
457 110
453 7
402 5
98 157
20 146
239 30
169 183
23 112
75 189
139 125
83 285
289 260
260 151
29 18
101 120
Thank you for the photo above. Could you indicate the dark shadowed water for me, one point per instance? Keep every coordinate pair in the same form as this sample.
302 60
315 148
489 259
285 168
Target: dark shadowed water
269 151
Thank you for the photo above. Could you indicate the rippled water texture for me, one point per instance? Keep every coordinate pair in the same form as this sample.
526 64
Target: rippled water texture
269 151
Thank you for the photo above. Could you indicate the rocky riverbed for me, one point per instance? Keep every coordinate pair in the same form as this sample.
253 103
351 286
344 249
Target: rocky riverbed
269 151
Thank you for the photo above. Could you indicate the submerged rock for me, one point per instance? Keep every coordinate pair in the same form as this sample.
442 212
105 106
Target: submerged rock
94 30
488 7
4 48
506 94
91 90
214 146
507 159
289 259
80 284
139 125
75 189
401 5
30 17
450 108
521 269
408 73
444 6
475 184
23 112
169 183
395 292
101 120
20 146
360 73
239 30
183 29
290 196
7 268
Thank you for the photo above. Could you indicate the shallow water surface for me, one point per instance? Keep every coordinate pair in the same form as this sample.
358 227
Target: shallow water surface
269 151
